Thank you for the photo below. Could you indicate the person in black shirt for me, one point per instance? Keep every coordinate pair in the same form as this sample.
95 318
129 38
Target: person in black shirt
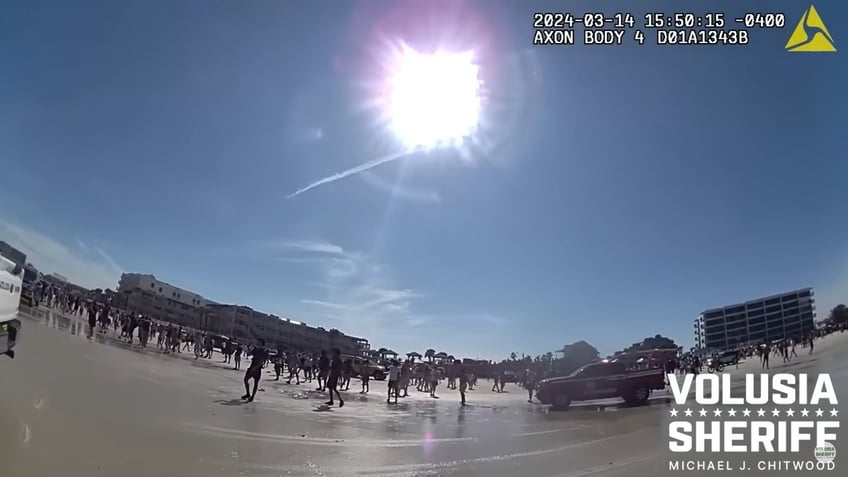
143 331
278 364
254 372
133 326
335 374
92 320
169 332
323 370
237 354
347 372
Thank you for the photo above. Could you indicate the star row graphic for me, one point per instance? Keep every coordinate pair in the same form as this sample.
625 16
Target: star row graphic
747 412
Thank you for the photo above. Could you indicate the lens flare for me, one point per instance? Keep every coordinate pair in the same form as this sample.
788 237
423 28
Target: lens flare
433 99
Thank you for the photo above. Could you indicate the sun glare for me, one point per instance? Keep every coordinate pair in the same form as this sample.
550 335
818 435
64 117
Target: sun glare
433 98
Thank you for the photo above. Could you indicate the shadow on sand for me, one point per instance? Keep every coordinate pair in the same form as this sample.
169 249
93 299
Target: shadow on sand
231 402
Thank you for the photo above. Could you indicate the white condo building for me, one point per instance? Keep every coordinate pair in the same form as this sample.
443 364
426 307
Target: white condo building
775 317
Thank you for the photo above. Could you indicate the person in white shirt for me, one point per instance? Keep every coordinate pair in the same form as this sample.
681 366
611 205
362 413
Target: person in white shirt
394 376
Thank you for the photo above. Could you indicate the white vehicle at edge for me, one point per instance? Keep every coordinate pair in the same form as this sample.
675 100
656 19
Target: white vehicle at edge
11 280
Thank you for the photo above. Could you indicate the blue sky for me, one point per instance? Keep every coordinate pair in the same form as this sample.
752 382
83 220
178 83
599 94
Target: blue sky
614 193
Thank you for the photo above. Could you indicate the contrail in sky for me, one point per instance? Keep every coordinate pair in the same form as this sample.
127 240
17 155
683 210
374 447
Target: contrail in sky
353 170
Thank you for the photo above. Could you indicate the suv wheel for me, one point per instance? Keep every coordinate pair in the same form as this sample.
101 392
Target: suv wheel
638 396
562 402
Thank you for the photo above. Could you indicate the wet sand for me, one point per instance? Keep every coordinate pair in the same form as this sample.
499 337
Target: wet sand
75 407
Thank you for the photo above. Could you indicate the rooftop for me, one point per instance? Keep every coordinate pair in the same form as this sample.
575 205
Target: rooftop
757 300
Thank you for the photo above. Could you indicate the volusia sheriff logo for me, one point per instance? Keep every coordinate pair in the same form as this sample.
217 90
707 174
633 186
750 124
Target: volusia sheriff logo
788 422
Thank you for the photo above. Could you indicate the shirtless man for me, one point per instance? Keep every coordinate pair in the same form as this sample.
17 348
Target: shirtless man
333 377
254 372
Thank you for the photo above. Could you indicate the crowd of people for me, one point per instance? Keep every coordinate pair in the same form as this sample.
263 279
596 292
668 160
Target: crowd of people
784 348
333 372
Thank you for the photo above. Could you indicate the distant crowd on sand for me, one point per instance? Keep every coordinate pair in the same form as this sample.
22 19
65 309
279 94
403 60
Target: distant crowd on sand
333 374
784 348
330 371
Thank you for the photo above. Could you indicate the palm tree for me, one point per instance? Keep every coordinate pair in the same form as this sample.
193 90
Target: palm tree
429 354
513 356
839 314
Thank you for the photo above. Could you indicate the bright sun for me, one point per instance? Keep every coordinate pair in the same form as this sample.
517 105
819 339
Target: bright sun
433 98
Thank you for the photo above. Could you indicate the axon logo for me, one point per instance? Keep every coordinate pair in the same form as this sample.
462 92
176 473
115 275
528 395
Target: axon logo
756 413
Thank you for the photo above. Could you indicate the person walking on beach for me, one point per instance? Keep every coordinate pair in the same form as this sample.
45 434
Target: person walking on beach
315 366
237 355
530 384
499 377
766 353
254 372
394 376
143 331
278 364
433 378
347 372
463 380
292 363
92 320
323 370
334 374
403 384
306 366
364 376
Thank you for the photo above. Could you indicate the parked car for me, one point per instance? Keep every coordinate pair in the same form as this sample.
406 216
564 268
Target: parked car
601 380
717 363
372 369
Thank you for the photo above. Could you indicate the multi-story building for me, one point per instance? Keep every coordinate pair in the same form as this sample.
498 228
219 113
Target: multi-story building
775 317
149 283
142 293
145 294
244 323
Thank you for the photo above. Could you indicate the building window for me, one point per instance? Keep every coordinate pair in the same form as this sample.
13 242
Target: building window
152 285
160 289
